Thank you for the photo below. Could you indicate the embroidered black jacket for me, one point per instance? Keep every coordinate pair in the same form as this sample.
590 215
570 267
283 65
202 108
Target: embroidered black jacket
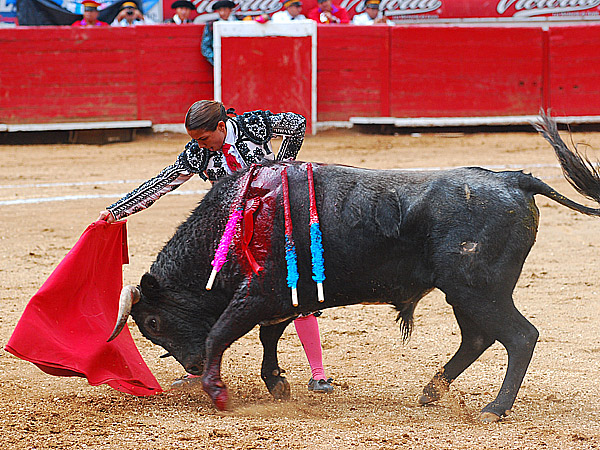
253 130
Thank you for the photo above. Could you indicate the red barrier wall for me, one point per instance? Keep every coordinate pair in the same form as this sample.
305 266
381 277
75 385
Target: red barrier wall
457 71
272 68
61 74
173 72
353 71
574 70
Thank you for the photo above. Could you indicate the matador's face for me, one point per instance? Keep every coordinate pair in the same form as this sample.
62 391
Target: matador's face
212 140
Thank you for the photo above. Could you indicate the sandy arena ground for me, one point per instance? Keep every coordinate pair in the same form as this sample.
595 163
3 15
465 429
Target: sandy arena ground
378 378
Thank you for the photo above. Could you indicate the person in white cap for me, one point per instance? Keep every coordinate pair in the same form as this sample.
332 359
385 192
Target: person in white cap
130 15
372 15
292 11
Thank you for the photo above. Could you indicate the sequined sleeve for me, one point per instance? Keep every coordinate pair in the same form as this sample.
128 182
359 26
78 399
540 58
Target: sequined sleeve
191 161
292 127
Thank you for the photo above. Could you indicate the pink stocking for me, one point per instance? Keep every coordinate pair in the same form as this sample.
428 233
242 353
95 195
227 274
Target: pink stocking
308 332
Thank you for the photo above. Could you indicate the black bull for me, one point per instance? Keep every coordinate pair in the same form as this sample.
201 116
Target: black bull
388 236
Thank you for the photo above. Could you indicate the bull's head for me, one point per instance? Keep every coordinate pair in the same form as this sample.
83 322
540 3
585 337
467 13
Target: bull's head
170 318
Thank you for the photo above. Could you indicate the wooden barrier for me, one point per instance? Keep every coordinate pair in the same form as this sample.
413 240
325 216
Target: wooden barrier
574 70
267 66
63 74
353 71
463 72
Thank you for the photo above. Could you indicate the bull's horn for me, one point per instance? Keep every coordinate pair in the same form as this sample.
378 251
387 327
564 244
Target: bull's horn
130 295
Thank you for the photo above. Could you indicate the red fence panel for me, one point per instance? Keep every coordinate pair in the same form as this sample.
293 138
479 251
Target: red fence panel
574 71
276 74
267 66
353 71
449 71
173 73
64 74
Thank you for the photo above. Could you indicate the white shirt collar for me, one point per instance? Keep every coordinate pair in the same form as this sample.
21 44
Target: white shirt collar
231 133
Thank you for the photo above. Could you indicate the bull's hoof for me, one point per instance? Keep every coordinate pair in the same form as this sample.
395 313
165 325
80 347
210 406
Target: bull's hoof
488 417
425 399
221 401
218 393
280 390
494 412
434 390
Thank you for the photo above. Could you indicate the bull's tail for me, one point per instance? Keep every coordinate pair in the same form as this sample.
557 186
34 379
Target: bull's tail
577 169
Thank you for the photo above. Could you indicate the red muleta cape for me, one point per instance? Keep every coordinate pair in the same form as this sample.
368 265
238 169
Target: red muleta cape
64 328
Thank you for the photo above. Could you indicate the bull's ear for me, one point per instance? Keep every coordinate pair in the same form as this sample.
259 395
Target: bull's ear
150 286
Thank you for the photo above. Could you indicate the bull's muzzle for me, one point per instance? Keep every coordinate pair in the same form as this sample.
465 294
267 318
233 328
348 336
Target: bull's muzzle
130 295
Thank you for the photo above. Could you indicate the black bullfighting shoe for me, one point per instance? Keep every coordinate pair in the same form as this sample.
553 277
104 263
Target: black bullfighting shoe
321 386
188 380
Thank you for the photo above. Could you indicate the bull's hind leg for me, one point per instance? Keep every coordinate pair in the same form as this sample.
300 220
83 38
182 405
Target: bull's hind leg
519 337
474 342
270 372
504 323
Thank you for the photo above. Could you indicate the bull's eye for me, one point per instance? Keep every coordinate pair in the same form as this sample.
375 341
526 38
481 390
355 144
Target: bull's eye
152 324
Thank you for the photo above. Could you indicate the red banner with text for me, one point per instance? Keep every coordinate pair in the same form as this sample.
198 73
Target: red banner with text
402 10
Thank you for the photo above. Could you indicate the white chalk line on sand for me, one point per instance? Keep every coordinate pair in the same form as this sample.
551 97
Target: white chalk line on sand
63 198
73 183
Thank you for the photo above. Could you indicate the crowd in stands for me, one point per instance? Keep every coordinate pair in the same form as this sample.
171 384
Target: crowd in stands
326 12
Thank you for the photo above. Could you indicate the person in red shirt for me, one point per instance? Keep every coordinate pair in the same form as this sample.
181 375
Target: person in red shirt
90 15
327 12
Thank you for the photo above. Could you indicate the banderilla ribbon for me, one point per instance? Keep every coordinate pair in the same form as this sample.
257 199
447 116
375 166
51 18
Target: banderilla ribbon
290 249
316 243
234 218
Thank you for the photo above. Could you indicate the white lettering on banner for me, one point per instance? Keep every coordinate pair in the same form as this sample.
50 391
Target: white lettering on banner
397 7
530 8
349 4
247 6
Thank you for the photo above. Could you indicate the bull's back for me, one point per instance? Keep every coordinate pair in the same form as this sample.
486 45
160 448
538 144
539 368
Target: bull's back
386 233
396 232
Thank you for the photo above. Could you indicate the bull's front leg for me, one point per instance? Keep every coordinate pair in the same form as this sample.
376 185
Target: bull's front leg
270 372
238 319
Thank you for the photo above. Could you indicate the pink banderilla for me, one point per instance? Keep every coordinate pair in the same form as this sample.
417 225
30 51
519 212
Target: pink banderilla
234 218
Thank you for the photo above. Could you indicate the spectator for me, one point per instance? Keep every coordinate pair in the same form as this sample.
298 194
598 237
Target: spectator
293 8
224 9
260 18
372 14
130 15
90 15
327 12
183 10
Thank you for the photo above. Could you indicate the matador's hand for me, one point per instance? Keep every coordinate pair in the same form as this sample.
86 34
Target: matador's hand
106 215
